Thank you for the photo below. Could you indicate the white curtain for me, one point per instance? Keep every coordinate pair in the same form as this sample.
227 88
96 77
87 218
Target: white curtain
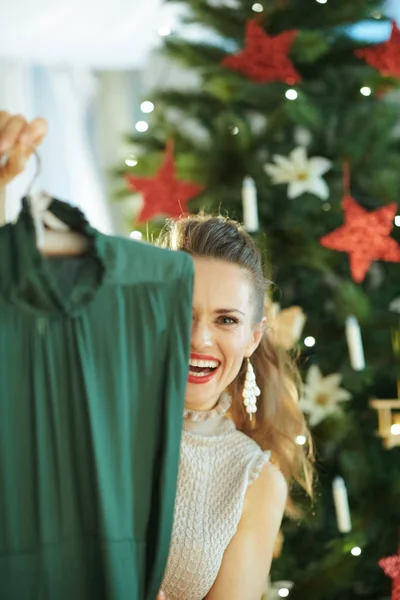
68 169
73 92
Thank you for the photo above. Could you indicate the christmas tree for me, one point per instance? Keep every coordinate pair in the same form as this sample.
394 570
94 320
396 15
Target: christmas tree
293 128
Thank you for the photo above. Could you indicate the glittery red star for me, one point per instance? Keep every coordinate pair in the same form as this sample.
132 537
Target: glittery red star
391 567
265 58
163 194
365 236
384 57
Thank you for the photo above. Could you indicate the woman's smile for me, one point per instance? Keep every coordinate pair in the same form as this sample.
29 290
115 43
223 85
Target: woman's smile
202 368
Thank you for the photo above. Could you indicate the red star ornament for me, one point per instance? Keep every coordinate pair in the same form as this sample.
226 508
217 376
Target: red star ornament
365 236
163 194
265 58
386 56
391 567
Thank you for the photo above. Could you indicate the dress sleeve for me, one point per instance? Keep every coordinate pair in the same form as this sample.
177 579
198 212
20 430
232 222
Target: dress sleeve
176 370
257 464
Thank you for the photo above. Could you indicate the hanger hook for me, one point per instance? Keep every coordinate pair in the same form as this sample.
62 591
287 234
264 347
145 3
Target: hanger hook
37 170
4 158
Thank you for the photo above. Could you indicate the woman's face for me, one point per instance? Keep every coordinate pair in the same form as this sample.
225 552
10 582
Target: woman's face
222 331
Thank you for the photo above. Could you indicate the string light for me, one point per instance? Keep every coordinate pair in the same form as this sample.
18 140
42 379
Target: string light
309 341
131 161
291 94
283 592
397 220
147 106
164 30
136 235
366 91
395 429
356 551
301 440
141 126
322 1
234 130
376 15
257 7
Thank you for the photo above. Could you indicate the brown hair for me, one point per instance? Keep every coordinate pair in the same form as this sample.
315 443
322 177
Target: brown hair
278 420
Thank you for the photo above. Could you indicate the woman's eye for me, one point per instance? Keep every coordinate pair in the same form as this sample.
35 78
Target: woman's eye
228 320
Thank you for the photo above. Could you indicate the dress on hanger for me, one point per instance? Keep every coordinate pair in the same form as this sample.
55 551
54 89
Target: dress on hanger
93 369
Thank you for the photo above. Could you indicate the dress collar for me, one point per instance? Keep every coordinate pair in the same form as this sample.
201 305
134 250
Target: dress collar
212 422
29 282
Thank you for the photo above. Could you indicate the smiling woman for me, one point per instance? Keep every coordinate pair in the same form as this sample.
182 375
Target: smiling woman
238 452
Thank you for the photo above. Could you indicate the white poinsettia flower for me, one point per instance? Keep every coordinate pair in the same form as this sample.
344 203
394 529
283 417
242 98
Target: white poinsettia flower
321 395
303 174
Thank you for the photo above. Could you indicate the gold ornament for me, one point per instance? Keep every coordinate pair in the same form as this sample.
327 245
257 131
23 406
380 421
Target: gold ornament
286 325
388 421
389 410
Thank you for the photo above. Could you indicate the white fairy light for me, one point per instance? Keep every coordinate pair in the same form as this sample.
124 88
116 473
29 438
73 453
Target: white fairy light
283 592
356 551
257 7
141 126
397 220
395 429
366 91
164 30
147 106
136 235
301 440
291 94
234 130
131 161
322 1
309 341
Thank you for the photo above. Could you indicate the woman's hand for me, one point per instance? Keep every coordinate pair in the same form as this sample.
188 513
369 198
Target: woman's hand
161 596
18 140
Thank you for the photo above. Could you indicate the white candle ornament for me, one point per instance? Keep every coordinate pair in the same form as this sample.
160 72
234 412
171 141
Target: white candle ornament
250 208
354 343
341 501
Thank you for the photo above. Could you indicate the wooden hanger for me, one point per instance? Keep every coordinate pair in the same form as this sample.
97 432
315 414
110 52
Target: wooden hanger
53 237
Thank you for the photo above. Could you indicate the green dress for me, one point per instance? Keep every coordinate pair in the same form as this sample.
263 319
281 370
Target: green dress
93 367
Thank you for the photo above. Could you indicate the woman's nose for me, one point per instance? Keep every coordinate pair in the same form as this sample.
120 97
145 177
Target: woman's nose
201 336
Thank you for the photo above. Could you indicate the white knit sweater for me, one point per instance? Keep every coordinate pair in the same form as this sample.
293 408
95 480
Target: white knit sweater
217 465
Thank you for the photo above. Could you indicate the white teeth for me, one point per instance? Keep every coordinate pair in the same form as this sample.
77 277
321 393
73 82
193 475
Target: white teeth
193 374
210 364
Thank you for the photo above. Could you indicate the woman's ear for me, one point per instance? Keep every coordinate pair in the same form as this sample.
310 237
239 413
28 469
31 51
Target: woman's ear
258 331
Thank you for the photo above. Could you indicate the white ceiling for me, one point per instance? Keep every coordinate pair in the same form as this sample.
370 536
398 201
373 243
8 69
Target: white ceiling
99 34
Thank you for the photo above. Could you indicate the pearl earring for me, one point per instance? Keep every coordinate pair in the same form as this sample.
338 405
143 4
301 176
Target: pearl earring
250 391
